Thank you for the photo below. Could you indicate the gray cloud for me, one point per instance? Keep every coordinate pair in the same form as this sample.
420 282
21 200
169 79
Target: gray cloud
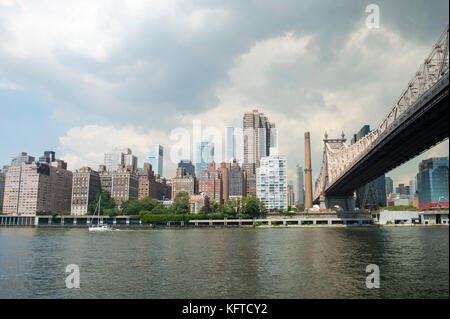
147 66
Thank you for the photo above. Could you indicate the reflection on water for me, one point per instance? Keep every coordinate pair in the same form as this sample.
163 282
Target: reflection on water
225 263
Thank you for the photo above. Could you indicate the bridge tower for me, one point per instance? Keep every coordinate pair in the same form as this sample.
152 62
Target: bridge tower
345 201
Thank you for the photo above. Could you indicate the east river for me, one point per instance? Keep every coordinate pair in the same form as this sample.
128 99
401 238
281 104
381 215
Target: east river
225 262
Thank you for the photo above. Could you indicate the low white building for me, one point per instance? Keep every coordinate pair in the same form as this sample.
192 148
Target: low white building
398 217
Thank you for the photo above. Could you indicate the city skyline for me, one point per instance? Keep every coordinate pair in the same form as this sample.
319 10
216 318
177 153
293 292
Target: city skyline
295 101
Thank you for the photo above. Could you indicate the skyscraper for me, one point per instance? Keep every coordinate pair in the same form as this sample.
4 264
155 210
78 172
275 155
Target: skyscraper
300 196
119 158
259 137
155 157
412 189
229 144
432 182
204 156
271 183
389 185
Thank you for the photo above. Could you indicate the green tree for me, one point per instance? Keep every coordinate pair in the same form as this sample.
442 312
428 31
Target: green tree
159 209
107 202
112 212
300 207
213 206
148 203
181 203
252 206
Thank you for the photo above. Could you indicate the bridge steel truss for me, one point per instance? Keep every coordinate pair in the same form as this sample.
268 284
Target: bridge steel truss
428 87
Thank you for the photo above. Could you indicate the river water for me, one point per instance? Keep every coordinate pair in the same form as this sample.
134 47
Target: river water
225 262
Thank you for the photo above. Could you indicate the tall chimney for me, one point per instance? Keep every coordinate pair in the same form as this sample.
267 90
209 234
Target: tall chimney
308 177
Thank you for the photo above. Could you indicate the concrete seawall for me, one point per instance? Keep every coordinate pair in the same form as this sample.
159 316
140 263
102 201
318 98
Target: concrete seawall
299 220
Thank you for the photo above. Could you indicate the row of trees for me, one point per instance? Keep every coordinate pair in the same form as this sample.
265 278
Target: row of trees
235 207
134 207
244 206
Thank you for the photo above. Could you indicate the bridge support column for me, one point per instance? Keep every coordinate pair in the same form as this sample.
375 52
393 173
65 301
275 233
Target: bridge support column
323 202
346 202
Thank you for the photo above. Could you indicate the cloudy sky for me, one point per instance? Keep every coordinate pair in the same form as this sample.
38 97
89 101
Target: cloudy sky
81 77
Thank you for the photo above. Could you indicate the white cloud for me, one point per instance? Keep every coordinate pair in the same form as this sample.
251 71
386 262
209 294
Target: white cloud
86 145
7 85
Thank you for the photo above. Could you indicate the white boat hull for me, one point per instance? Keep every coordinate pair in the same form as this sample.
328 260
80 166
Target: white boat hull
100 228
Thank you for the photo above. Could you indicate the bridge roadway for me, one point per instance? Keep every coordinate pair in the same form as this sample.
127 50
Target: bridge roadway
423 125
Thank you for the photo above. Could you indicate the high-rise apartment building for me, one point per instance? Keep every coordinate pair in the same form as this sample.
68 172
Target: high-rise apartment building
183 182
155 157
432 183
188 166
271 183
105 179
204 156
23 157
124 185
210 183
2 187
300 196
259 137
224 171
119 158
250 184
151 185
236 181
163 188
85 186
60 187
33 187
130 160
146 182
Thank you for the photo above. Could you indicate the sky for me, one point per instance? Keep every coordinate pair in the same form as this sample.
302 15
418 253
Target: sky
82 77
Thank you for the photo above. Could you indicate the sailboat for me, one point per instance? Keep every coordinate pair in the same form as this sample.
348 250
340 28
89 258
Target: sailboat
98 227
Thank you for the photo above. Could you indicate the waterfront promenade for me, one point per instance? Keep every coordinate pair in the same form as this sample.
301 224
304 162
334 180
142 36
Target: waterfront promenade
301 219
